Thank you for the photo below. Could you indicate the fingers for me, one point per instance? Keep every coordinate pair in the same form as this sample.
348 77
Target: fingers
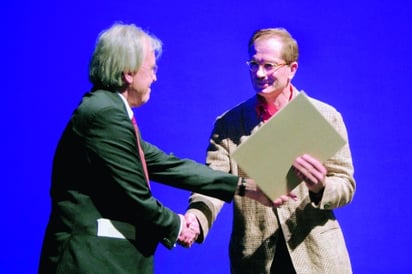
311 171
283 199
193 224
192 221
259 196
190 230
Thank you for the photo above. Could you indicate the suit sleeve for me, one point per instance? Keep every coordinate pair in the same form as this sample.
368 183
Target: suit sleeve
188 174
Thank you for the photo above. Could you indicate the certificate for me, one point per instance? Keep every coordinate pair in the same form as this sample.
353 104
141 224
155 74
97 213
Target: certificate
298 128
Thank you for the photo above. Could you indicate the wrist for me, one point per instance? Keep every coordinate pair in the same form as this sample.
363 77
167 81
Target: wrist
316 197
241 189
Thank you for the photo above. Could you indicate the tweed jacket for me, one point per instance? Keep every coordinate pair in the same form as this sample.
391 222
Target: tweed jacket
313 235
104 218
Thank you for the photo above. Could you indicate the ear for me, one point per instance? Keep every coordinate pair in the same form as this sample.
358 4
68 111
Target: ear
293 68
128 77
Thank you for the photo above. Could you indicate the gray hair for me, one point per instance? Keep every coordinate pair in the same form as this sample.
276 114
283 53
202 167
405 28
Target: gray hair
121 48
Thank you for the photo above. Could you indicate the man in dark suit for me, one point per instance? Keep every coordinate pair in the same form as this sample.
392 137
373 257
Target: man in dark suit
104 218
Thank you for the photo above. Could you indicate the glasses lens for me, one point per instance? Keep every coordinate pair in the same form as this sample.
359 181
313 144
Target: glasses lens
269 67
253 66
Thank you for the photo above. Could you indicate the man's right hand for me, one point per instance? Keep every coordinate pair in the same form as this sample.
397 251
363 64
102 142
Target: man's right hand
190 230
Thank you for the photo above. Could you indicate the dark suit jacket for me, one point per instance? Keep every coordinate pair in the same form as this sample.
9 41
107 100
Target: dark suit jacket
97 173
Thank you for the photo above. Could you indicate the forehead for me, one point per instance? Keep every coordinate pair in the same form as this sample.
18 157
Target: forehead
266 48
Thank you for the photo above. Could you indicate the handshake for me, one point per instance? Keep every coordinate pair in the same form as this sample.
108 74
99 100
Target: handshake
190 226
190 230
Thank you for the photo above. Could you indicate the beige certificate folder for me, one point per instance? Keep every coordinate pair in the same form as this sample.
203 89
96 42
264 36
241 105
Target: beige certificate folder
267 156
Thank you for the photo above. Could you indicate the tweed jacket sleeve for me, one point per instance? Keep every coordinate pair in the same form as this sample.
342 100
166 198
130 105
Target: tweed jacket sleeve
340 183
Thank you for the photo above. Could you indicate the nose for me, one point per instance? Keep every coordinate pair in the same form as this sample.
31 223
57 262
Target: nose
260 72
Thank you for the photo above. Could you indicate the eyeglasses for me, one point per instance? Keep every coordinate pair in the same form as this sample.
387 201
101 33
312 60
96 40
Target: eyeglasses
267 67
153 69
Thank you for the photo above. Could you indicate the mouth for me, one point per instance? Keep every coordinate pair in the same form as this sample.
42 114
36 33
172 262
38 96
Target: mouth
260 84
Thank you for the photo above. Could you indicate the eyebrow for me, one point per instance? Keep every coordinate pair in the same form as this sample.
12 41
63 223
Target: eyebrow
266 61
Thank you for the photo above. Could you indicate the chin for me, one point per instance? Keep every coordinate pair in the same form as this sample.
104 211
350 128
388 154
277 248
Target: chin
265 91
140 102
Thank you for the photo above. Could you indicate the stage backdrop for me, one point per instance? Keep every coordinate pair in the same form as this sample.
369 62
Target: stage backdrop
355 55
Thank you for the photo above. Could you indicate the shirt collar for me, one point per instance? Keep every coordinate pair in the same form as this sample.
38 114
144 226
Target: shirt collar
126 104
264 110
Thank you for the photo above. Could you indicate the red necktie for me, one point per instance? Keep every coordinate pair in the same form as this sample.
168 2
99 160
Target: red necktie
141 153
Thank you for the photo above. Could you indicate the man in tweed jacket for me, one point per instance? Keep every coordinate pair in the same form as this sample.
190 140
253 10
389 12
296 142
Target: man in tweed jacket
302 235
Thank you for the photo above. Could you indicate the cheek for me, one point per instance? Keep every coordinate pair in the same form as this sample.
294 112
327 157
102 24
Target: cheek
142 85
281 79
146 82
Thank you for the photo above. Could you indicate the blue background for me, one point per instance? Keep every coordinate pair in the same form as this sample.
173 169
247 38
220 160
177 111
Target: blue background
355 55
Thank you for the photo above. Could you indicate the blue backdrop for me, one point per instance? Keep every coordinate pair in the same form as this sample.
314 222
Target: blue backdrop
355 55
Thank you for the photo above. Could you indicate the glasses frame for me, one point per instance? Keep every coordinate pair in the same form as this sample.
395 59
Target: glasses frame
267 66
153 69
